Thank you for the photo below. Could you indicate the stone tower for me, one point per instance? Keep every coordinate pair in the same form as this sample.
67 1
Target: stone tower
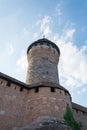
43 56
47 98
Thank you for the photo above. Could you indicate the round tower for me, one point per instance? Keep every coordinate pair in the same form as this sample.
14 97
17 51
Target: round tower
43 56
46 97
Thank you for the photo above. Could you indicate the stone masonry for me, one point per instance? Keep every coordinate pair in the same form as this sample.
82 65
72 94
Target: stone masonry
43 57
40 103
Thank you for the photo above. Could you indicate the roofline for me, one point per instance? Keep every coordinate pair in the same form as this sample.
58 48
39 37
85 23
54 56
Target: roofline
42 40
31 86
13 80
79 107
49 84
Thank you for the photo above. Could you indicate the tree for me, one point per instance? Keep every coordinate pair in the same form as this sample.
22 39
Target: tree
70 120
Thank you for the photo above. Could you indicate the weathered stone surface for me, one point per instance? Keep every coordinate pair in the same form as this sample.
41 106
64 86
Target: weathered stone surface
46 124
42 64
21 104
19 108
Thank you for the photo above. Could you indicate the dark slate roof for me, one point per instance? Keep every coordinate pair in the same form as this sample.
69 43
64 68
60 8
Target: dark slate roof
44 40
79 107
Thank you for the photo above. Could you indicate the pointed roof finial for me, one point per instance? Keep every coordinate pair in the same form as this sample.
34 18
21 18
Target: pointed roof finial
43 36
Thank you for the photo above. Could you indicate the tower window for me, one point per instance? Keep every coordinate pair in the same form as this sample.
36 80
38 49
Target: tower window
52 89
1 81
8 83
60 92
21 89
66 93
36 90
47 72
76 110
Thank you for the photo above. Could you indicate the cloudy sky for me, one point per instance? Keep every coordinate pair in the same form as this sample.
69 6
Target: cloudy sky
62 21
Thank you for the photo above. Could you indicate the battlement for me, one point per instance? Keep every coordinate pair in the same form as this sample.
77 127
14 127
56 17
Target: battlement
8 81
42 42
31 99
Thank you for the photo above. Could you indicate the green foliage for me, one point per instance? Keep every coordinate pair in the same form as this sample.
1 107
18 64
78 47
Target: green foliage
70 120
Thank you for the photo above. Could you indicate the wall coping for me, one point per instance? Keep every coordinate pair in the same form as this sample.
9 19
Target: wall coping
79 107
12 80
32 86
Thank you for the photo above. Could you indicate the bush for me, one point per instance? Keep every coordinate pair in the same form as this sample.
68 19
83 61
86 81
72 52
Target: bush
70 120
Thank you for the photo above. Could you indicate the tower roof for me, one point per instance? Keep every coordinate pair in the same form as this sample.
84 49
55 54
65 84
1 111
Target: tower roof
41 41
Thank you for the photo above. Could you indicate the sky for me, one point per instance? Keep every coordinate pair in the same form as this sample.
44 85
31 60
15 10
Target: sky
61 21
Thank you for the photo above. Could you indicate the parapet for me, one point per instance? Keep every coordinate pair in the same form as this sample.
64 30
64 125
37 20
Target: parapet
46 42
78 107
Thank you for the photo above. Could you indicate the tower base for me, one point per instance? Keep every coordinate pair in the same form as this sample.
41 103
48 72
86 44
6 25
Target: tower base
46 123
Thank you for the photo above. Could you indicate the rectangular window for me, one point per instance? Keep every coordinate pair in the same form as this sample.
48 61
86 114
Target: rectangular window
36 90
8 83
21 89
52 89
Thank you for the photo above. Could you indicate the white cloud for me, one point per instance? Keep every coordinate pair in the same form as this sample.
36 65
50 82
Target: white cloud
22 62
84 90
73 61
70 33
45 25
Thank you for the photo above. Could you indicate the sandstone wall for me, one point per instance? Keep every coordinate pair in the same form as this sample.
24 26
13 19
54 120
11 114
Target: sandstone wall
20 106
12 105
46 103
80 114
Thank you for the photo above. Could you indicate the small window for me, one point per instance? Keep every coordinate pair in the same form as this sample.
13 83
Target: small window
77 110
60 92
21 89
47 72
66 93
36 90
1 81
83 113
8 83
52 89
15 87
67 104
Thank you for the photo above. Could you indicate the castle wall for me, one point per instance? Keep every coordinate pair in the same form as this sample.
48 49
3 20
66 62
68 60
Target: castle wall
12 105
80 114
20 107
43 102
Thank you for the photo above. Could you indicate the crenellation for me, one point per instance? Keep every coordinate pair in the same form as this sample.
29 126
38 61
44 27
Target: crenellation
3 82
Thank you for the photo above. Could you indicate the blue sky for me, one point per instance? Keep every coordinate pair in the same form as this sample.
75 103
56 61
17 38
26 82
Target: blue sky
63 22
